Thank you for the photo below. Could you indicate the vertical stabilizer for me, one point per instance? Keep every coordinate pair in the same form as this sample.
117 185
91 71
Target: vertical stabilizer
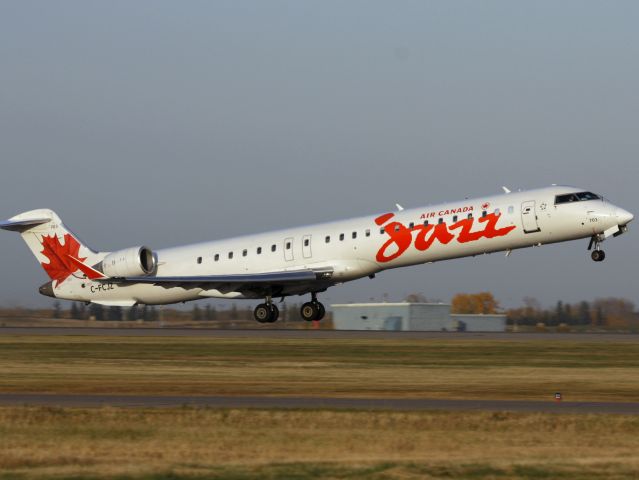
55 247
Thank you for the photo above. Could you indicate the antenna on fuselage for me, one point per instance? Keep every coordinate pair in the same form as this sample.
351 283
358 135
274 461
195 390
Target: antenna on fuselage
399 207
505 189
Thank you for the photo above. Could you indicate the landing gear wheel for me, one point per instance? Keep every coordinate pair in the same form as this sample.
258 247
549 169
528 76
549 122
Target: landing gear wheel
312 311
275 313
598 255
309 311
262 313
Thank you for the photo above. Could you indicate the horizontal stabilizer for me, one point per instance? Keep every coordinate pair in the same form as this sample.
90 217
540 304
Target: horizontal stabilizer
22 225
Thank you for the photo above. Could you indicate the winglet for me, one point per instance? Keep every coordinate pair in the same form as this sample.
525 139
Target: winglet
506 190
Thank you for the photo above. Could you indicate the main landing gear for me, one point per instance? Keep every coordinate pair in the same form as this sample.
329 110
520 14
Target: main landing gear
597 254
313 310
266 312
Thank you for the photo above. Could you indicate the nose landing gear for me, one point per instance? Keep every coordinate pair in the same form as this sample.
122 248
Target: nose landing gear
597 254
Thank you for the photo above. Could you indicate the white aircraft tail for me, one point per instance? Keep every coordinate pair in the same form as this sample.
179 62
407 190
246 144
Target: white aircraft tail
56 248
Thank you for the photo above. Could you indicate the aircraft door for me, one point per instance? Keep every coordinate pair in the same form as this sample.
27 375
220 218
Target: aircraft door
288 249
529 217
306 246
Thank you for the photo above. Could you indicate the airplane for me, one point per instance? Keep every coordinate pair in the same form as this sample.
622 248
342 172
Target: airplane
310 259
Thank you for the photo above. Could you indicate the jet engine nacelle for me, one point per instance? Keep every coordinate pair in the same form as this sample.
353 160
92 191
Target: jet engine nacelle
130 262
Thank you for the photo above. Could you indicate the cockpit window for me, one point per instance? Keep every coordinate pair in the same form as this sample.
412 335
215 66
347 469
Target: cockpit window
575 197
587 196
568 198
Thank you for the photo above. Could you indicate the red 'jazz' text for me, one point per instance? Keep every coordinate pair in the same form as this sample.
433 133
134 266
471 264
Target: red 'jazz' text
401 237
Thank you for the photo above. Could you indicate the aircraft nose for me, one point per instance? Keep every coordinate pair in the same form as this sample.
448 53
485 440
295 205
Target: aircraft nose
47 290
624 216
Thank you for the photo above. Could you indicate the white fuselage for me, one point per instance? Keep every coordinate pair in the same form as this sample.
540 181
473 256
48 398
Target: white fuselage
367 245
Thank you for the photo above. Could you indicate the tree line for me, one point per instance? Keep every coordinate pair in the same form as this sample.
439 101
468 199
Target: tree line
601 312
93 311
198 312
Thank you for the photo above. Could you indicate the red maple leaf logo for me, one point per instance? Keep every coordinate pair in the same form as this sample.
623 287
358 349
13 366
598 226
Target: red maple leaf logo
60 266
485 206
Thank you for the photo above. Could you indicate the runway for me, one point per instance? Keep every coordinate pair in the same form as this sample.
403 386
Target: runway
315 334
55 400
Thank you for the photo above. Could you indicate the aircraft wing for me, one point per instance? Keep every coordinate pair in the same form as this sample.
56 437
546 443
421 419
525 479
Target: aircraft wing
239 282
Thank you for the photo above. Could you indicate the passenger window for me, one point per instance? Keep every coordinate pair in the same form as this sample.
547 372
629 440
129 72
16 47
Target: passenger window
368 232
382 231
341 237
470 215
327 239
411 225
511 210
230 255
244 253
397 228
441 220
454 218
259 250
484 213
216 257
199 259
354 235
425 223
497 211
273 248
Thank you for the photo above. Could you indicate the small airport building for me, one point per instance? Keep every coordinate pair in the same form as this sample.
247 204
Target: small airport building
424 317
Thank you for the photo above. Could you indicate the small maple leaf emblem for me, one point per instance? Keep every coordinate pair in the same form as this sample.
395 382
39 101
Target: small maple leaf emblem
60 267
485 206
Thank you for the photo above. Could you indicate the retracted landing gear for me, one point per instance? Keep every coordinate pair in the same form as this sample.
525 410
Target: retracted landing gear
597 254
313 310
266 312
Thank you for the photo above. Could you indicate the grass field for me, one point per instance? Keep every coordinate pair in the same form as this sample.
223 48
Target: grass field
188 443
475 369
200 443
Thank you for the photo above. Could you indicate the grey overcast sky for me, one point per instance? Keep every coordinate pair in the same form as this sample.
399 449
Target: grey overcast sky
164 123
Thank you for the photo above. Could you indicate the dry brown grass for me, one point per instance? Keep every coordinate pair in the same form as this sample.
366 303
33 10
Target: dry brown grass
203 443
189 443
321 367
